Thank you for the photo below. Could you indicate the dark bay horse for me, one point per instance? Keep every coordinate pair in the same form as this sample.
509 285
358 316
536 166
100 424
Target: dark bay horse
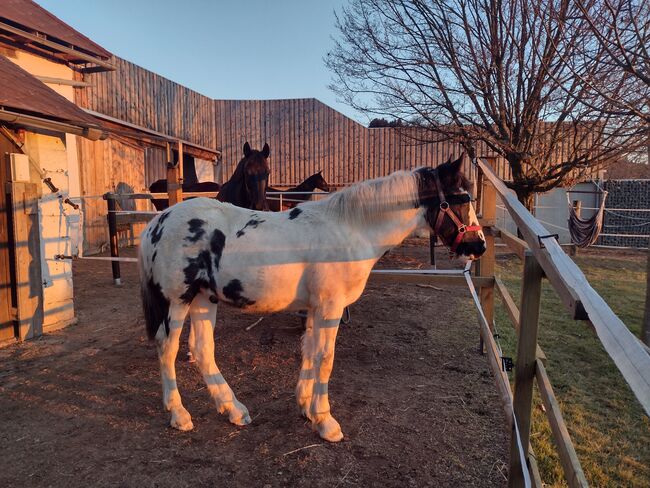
160 186
310 184
200 254
247 186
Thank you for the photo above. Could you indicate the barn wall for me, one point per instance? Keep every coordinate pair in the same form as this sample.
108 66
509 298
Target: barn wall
306 136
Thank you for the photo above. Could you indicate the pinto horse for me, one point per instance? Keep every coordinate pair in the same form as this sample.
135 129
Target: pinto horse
310 184
160 186
247 186
317 257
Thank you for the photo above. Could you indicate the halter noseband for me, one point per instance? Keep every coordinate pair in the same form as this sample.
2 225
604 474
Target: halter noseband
445 210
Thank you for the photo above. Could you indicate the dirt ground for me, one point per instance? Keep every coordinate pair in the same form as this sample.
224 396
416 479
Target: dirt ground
417 403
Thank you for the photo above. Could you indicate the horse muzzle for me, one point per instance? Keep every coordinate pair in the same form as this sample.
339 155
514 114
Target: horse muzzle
472 250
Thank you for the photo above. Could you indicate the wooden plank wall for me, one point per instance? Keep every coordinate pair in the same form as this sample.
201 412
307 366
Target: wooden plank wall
306 136
110 165
144 98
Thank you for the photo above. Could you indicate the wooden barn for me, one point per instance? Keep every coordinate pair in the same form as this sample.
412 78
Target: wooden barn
40 128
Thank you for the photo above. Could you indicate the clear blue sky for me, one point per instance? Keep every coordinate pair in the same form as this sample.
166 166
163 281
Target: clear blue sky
237 49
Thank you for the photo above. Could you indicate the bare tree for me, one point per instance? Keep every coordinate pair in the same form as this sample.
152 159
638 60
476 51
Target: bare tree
497 71
620 43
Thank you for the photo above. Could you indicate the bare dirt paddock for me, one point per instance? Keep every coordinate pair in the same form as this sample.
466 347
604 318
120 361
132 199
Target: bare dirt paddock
417 404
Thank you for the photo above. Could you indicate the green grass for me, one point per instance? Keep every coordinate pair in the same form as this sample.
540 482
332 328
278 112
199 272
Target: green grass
610 432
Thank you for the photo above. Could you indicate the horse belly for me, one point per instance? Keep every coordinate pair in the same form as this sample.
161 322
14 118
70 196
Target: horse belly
264 288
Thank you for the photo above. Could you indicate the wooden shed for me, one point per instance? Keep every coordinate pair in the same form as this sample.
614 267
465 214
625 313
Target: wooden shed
39 169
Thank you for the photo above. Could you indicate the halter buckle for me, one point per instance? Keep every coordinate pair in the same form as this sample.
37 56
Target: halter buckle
462 229
444 206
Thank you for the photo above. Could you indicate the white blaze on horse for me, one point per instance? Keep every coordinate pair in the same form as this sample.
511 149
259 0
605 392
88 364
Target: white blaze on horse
316 257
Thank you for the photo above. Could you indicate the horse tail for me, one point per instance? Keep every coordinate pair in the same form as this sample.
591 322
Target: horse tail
154 303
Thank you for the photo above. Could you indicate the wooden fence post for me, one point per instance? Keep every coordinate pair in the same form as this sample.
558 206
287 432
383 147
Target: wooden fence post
486 265
525 362
113 237
174 175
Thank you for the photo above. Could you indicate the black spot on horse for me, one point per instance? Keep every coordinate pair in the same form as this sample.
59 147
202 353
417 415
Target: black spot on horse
217 243
253 223
233 292
214 299
294 213
153 258
198 276
156 307
196 230
157 231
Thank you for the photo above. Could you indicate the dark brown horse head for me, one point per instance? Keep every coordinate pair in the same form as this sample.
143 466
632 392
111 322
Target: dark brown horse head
318 181
247 185
256 175
444 191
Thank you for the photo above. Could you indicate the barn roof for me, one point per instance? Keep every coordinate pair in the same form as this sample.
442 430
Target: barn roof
27 24
21 93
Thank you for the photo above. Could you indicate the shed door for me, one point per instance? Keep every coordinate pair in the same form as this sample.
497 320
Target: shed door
6 321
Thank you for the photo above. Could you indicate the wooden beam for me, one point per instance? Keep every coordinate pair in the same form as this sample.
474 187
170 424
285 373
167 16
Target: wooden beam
487 264
57 47
581 299
380 276
525 362
61 81
513 312
568 458
516 245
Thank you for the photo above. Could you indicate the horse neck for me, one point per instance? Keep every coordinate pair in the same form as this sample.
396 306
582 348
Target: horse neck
306 185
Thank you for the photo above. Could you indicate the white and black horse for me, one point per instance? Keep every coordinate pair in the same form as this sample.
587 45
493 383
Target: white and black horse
316 257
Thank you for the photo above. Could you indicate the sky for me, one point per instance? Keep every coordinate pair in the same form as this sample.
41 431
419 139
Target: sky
237 49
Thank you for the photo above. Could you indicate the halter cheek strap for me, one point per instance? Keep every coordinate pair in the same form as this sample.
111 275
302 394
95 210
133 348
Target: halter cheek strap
445 210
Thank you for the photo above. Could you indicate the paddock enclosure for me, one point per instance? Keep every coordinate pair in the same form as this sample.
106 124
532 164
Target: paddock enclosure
419 404
416 402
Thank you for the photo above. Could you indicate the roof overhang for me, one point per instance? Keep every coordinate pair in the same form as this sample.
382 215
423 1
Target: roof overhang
150 136
33 122
41 44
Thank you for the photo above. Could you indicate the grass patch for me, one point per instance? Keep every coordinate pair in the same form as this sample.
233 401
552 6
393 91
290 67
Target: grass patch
609 429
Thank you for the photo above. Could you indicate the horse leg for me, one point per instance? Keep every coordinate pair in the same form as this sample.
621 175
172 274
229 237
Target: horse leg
318 351
305 385
167 350
203 313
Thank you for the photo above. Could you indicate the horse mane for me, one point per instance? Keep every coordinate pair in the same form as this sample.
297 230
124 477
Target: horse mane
369 200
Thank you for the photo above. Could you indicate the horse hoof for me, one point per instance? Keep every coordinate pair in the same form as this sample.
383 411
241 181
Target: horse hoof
239 415
330 430
182 421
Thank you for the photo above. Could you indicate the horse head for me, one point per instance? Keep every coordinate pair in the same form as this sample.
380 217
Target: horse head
319 182
255 167
449 213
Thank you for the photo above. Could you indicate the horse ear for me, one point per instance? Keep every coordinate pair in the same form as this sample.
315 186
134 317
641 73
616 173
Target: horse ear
456 166
247 149
266 150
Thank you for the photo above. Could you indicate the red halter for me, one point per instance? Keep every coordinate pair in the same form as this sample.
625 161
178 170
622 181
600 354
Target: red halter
445 210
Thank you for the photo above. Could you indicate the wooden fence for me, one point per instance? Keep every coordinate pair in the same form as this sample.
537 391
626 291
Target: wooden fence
140 97
543 257
306 136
